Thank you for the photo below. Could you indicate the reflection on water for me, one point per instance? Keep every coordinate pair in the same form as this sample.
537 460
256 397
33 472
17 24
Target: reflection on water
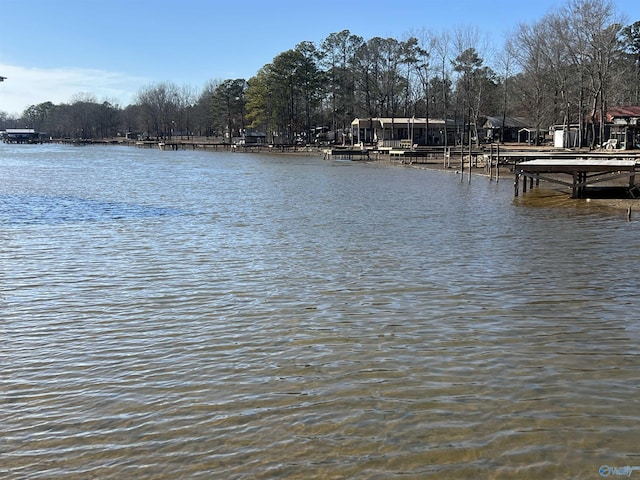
598 199
188 314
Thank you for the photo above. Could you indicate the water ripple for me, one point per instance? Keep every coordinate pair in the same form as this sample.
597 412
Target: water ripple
24 210
305 321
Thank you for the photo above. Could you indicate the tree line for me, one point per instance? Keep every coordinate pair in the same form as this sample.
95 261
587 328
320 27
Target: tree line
565 69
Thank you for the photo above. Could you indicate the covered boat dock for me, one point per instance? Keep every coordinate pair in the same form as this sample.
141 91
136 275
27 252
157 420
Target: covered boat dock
582 173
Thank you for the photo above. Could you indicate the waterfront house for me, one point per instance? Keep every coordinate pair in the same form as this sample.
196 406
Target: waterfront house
508 129
624 124
621 128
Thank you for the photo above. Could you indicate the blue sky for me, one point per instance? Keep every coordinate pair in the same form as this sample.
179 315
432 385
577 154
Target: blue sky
54 50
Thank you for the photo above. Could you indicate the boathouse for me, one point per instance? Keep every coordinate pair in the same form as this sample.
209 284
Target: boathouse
254 137
391 131
21 135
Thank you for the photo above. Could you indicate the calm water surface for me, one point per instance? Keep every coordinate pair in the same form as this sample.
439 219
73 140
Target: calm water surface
185 314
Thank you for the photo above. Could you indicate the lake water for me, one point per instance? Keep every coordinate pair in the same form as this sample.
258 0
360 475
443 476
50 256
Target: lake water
209 315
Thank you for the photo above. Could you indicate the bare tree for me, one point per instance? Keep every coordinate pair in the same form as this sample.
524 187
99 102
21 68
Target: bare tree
531 84
443 48
185 101
591 31
569 56
159 104
505 63
426 67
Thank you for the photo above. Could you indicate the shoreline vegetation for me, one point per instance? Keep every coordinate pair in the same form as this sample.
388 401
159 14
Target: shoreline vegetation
433 162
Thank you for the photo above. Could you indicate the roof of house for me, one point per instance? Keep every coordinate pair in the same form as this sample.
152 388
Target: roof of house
20 131
509 122
630 111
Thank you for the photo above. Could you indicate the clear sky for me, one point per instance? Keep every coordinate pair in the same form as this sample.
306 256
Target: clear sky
54 50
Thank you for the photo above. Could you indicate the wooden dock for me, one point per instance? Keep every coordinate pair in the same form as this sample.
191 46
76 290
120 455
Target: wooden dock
420 154
582 173
514 155
176 145
346 153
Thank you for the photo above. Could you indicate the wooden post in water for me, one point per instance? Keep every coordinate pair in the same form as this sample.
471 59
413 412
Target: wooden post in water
497 162
469 157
